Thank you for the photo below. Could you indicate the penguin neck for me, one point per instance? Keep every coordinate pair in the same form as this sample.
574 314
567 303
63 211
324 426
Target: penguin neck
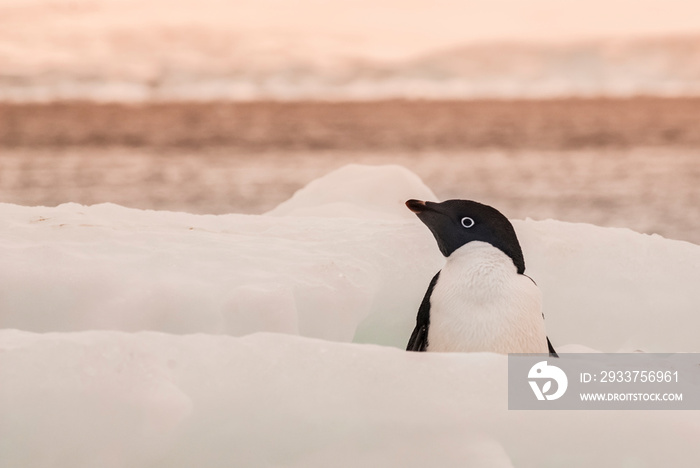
485 256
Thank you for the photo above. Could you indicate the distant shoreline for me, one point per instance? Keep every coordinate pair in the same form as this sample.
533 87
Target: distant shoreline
390 125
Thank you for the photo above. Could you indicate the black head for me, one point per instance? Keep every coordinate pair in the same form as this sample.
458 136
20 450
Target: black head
458 222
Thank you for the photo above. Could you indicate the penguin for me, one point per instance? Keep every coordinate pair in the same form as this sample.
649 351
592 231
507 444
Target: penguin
481 300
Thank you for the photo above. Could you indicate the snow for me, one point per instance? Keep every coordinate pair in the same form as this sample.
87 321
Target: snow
343 259
352 192
134 344
150 399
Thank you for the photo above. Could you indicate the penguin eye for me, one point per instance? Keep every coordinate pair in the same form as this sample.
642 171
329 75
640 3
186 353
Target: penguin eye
467 222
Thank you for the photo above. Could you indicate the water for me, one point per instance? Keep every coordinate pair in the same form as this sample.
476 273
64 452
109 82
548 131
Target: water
651 190
661 67
158 50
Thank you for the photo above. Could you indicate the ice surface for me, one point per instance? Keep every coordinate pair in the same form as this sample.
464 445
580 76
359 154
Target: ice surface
343 259
201 394
113 399
351 191
109 267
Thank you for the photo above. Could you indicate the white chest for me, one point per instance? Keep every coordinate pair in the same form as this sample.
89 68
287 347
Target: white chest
481 303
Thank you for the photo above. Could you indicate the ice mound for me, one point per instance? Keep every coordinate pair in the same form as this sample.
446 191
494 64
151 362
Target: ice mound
110 267
154 400
75 268
342 260
614 289
352 190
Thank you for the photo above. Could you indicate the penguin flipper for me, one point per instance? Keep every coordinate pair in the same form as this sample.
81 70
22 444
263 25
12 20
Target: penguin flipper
419 337
552 353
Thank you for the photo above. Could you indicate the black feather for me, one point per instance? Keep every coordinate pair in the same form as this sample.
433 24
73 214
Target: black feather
552 353
419 337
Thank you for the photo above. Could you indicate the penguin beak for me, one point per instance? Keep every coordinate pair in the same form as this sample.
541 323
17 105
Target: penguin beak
417 206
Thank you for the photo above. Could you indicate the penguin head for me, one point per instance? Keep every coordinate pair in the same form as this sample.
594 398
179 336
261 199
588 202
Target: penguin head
455 223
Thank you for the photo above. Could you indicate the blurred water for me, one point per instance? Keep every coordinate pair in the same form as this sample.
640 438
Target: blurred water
651 190
163 50
239 69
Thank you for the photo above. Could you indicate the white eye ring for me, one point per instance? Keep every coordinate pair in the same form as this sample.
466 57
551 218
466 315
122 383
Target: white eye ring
467 222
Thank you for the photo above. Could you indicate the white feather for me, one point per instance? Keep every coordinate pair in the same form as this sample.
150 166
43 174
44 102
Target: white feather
481 303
